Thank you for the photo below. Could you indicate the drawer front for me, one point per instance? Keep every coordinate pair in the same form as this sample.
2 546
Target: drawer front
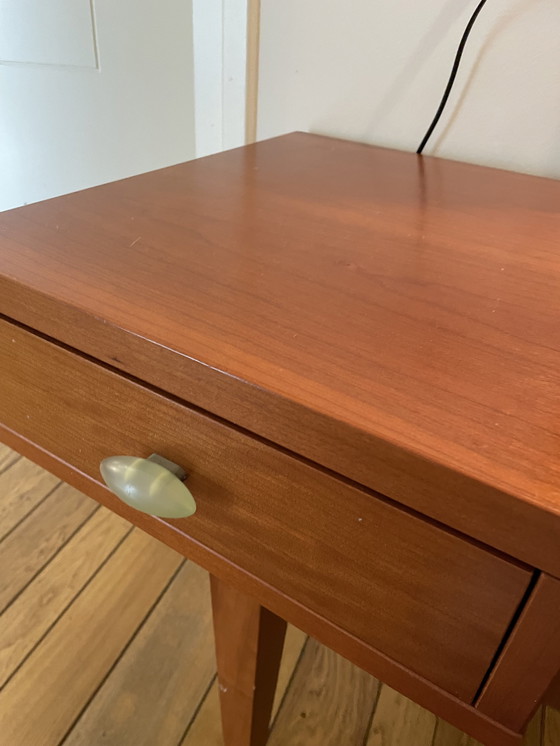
428 599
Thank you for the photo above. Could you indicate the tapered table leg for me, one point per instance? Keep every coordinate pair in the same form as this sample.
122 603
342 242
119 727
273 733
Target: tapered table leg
249 641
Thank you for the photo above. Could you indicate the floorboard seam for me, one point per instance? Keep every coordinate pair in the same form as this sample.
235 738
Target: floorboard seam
122 652
8 466
33 509
435 732
68 605
197 709
372 713
43 567
289 684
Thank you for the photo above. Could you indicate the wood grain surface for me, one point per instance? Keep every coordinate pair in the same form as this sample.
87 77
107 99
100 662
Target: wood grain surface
38 607
432 601
50 585
329 702
83 636
49 598
155 689
397 721
447 735
552 728
535 731
363 655
249 642
207 726
22 487
30 546
529 662
7 457
553 694
391 317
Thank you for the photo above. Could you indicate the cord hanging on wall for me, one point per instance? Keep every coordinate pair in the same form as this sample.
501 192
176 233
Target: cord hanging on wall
452 76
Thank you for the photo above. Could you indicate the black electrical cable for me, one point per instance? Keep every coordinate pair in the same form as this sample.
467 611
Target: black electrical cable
453 75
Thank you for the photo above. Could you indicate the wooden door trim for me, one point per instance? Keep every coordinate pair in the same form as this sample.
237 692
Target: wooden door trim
253 48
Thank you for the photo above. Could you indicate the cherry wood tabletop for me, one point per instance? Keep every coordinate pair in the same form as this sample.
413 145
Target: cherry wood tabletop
393 318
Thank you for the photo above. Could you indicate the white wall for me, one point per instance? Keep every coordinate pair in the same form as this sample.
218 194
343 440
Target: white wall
374 71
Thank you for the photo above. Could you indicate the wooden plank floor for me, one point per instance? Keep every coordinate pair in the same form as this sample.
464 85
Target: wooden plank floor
106 638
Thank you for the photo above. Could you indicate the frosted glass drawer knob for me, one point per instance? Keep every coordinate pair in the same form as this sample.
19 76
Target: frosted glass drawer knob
153 485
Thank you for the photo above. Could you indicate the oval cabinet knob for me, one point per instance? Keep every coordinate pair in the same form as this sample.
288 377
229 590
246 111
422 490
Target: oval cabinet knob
153 485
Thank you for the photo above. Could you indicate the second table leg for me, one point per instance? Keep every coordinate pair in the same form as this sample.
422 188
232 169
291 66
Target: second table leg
249 642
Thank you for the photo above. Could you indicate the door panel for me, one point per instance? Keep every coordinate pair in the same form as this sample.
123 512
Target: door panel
48 32
72 118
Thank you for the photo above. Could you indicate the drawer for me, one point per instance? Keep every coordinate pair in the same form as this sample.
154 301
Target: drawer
427 598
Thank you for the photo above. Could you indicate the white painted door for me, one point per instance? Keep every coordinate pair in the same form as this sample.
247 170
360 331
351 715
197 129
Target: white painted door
92 91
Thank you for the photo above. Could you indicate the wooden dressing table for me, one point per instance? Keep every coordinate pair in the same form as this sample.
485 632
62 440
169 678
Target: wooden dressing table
354 353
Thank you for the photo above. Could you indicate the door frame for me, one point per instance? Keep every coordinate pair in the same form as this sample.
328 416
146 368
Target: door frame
225 47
